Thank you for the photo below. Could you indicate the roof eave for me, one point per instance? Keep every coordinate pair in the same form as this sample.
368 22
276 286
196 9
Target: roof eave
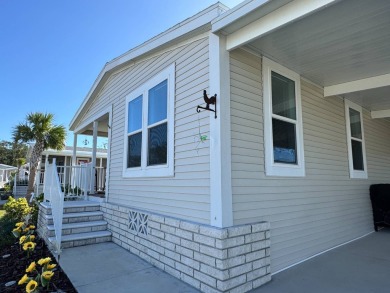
188 26
245 13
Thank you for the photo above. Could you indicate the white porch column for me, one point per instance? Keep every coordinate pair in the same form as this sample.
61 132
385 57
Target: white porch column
94 147
74 159
221 207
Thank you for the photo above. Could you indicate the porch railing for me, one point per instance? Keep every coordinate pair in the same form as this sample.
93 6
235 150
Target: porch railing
55 196
76 181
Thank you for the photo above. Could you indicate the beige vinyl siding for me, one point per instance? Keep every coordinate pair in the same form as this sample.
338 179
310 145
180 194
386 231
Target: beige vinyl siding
186 195
321 210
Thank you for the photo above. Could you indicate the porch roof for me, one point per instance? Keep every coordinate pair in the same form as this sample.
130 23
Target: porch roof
340 45
7 167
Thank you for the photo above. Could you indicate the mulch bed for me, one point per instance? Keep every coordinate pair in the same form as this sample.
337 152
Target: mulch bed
13 268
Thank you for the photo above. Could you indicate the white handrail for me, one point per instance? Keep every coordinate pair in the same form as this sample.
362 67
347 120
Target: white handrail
76 181
56 197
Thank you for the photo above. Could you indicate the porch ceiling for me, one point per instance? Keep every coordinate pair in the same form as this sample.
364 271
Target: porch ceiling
102 127
346 41
343 42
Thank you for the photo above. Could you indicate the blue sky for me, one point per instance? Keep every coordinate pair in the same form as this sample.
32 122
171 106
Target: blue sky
52 51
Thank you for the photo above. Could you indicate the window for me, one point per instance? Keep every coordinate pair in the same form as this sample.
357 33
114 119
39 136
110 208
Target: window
355 137
283 139
149 127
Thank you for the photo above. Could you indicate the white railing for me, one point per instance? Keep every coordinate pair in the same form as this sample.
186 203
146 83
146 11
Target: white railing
54 194
100 179
76 181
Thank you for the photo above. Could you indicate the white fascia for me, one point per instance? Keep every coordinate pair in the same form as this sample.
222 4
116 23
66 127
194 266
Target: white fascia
282 16
357 85
221 206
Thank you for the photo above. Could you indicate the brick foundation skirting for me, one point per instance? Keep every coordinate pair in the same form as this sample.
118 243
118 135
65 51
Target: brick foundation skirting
234 259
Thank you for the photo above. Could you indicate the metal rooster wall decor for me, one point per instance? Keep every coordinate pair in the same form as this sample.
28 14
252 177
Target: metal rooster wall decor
209 101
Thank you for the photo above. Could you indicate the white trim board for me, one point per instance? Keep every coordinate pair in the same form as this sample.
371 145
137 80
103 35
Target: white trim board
357 85
280 17
380 114
221 202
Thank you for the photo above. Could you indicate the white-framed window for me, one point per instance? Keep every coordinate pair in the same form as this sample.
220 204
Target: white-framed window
149 127
283 134
355 140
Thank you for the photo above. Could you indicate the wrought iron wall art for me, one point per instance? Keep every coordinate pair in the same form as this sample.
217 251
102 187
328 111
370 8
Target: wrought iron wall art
209 101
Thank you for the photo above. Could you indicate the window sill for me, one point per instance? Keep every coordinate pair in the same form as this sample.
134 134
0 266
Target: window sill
149 172
282 170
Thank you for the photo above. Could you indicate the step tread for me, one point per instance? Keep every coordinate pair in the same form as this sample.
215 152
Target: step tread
82 236
80 214
74 204
79 225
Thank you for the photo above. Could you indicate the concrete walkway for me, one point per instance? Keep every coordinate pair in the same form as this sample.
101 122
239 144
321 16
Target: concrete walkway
362 266
107 267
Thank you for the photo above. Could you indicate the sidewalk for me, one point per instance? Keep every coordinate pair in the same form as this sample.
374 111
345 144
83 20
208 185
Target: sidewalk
106 267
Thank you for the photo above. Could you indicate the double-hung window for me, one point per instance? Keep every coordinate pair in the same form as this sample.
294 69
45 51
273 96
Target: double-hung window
149 127
355 140
283 138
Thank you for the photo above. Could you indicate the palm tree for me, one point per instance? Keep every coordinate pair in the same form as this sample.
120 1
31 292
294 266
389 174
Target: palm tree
40 130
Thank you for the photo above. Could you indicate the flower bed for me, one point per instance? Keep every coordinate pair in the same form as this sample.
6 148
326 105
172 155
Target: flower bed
14 262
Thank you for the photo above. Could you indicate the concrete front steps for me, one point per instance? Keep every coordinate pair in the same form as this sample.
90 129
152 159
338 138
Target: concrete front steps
82 224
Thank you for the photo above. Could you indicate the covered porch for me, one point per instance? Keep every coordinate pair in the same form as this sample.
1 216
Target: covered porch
88 174
335 56
341 46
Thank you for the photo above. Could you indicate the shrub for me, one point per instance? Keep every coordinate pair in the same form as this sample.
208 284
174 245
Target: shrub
35 208
6 236
17 209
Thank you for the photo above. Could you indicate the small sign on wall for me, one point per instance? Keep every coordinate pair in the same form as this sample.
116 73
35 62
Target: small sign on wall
82 161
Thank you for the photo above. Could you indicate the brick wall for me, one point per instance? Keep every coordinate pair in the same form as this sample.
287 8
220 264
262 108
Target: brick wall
234 259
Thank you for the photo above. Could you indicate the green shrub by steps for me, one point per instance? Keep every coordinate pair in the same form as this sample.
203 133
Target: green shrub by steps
6 226
17 209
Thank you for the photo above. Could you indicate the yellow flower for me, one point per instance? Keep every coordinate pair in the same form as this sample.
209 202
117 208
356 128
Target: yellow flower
31 286
43 261
29 246
31 267
22 239
47 275
51 266
32 237
26 230
17 230
19 224
23 280
31 227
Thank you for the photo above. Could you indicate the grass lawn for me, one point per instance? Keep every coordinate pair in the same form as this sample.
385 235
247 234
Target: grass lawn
2 213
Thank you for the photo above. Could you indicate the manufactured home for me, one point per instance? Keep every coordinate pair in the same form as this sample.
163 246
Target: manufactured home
275 167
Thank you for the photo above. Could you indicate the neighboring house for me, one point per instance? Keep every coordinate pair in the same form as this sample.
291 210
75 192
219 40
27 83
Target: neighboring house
283 171
83 155
5 173
69 157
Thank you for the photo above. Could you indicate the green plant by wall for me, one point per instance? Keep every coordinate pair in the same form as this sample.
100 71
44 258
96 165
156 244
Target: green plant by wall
17 209
6 226
35 208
